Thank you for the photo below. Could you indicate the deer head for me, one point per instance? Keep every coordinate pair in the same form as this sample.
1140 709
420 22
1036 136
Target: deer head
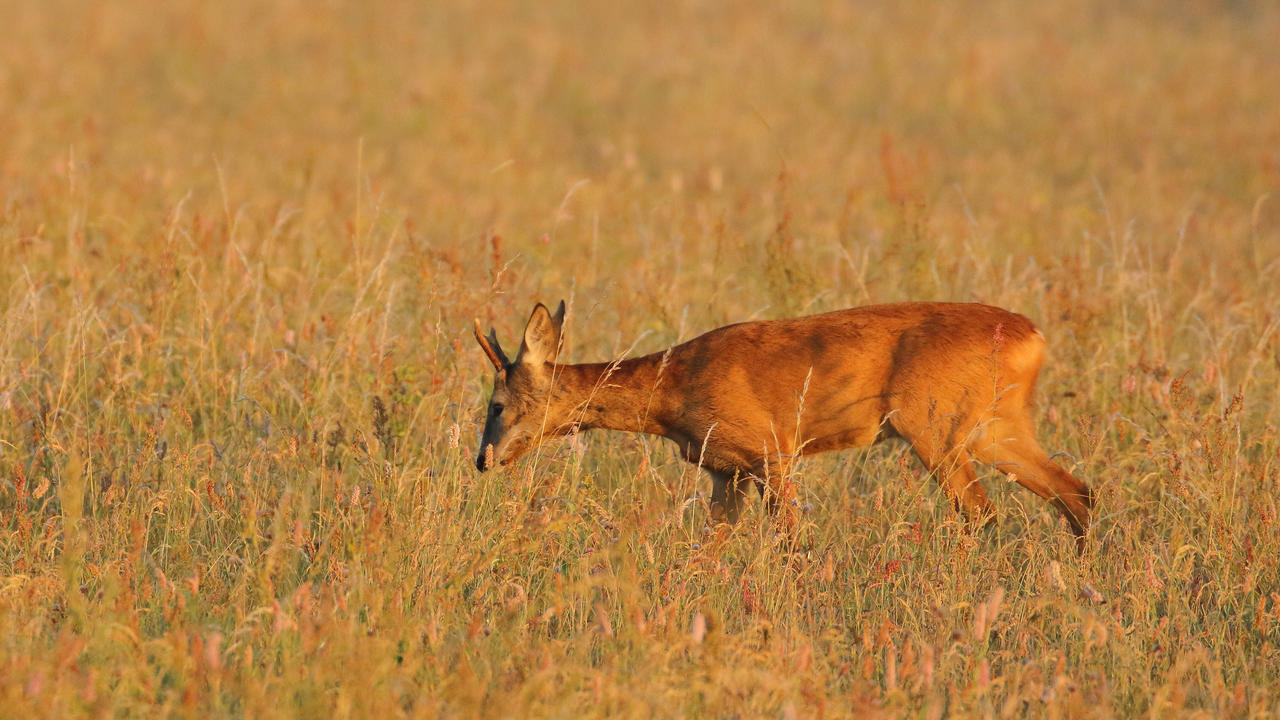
521 409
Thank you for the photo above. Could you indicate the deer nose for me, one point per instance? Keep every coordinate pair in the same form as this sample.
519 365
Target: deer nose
481 456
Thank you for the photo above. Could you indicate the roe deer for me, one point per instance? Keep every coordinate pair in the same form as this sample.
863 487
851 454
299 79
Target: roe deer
953 379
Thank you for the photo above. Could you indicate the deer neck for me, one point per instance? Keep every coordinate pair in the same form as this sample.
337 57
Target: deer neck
629 395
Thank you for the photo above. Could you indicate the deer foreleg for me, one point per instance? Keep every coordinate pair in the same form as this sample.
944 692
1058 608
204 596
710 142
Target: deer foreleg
727 495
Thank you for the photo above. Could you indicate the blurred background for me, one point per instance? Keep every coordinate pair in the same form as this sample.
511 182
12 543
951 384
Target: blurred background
753 160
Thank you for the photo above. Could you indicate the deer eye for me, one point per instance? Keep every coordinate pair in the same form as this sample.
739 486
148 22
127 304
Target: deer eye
497 409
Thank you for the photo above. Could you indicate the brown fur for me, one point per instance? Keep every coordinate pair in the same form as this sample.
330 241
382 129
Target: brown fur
954 380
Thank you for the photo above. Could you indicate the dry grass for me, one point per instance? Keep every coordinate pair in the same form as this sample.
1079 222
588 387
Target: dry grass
244 243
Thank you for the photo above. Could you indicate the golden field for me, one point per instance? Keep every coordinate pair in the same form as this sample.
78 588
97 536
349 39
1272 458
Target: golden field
243 244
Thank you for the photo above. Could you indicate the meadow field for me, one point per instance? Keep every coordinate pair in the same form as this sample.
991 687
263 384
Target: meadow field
243 245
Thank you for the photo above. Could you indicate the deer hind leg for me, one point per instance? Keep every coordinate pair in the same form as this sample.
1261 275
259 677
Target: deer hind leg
956 475
728 491
1010 447
954 470
933 441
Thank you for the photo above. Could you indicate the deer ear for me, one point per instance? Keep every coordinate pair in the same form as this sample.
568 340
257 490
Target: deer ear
541 336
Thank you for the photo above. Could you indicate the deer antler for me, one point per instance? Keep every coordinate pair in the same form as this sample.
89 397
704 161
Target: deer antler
491 347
